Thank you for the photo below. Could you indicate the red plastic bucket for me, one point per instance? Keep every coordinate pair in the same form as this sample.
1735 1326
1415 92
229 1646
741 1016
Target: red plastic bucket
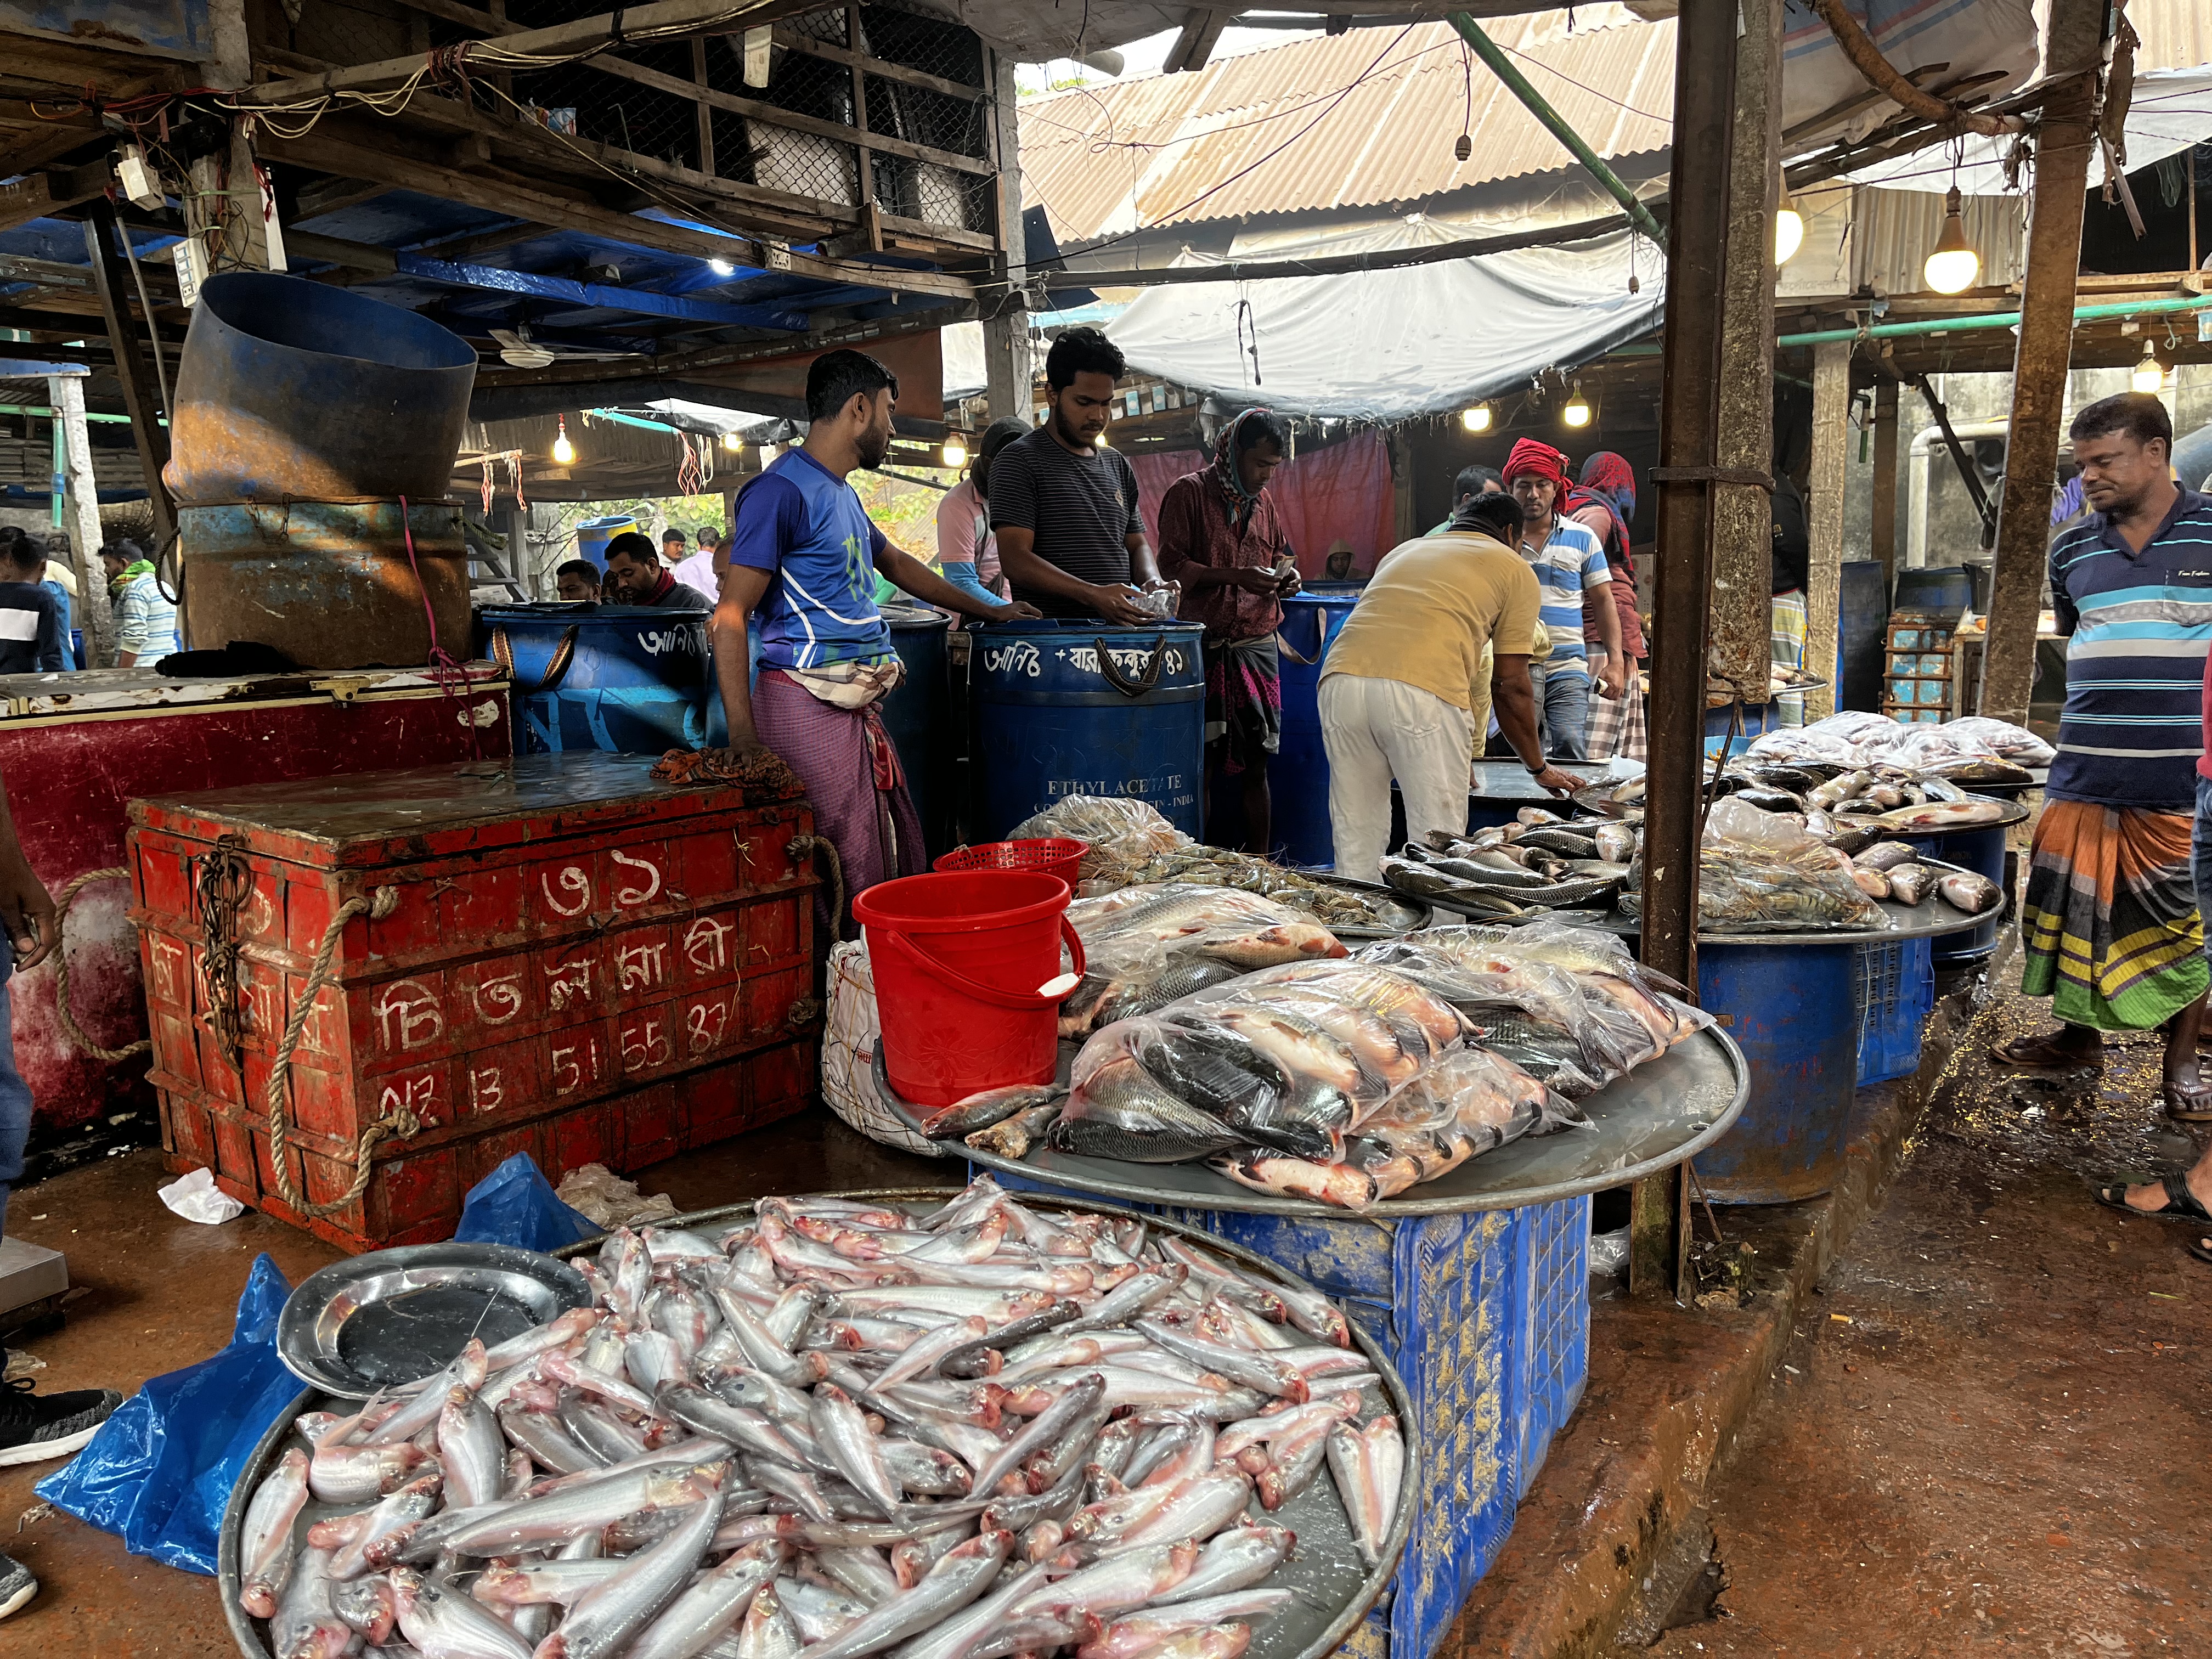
959 959
1050 855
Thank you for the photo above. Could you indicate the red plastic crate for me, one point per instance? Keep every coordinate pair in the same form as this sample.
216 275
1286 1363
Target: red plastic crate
577 963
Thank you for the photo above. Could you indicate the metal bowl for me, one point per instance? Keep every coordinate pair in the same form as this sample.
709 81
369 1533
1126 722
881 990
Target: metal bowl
384 1319
1333 1590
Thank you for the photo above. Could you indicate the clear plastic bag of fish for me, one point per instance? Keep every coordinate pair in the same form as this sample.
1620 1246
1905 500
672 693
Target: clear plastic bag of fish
1983 734
1185 1084
1533 1013
1119 833
1140 926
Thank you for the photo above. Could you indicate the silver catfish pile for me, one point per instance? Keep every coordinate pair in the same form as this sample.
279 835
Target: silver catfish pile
840 1429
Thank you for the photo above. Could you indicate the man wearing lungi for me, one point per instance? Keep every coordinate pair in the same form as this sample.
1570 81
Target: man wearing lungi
2111 923
1221 538
803 556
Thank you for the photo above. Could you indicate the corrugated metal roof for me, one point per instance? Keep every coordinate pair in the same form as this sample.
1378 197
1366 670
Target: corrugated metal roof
1363 120
2175 33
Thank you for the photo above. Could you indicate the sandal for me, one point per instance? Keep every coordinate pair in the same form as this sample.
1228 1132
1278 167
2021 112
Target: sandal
2181 1204
2201 1249
2042 1053
2187 1105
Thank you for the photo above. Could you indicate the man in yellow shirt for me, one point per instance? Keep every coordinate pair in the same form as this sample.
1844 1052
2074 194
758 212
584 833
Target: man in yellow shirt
1397 698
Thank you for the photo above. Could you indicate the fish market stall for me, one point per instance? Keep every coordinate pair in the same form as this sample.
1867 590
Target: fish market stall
755 1346
1371 1119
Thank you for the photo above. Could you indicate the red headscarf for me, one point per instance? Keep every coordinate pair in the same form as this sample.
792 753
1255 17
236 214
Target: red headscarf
1540 458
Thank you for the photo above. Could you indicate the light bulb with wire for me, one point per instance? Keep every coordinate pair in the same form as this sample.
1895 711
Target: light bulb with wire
1789 230
564 452
732 442
1577 412
2149 374
1476 419
955 454
1952 268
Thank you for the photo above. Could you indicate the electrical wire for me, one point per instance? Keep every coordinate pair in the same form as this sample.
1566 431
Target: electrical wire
153 328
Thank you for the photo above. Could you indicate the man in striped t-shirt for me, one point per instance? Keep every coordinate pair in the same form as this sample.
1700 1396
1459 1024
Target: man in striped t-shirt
2110 922
1577 583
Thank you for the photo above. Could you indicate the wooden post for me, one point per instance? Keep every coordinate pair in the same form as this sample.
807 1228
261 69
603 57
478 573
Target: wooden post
1824 513
94 613
1006 368
225 210
2039 363
141 397
1689 407
864 168
705 111
1401 480
1741 655
1884 480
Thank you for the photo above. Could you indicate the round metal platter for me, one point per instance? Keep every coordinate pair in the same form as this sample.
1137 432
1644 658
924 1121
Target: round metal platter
384 1319
1695 1090
1332 1589
1407 914
1507 782
1931 918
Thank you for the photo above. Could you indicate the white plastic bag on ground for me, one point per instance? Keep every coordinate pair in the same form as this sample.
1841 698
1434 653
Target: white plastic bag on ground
848 1053
195 1196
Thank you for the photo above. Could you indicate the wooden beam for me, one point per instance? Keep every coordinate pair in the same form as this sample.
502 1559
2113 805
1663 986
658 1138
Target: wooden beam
1824 520
47 273
860 336
37 195
2073 41
704 114
141 396
322 150
1884 480
791 40
1201 33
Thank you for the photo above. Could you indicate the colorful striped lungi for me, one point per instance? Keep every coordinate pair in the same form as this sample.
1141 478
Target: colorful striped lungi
2111 927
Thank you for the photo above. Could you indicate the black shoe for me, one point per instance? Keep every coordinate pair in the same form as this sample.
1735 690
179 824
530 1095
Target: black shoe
35 1427
17 1585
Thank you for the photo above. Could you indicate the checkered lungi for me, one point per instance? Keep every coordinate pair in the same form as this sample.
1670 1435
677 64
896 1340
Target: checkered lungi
853 779
1786 648
1616 724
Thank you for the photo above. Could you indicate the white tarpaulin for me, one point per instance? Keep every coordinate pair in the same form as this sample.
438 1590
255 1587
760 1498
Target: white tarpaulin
2171 110
1385 345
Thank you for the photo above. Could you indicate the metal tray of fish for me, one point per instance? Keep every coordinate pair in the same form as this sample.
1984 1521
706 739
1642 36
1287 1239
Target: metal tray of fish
382 1320
1508 781
1665 1111
1332 1591
1402 913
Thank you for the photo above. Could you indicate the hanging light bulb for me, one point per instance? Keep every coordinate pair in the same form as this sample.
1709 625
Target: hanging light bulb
1476 419
1577 412
721 267
1788 229
1952 268
2149 374
732 442
564 452
955 450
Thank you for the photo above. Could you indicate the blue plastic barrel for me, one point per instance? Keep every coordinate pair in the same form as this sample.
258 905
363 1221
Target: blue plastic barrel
1086 708
918 717
1298 781
1792 1009
593 535
626 680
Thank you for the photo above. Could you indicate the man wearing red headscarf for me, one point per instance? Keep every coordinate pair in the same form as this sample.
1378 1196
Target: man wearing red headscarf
1577 586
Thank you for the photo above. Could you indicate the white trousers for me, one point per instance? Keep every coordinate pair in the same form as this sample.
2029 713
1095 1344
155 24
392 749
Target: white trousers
1378 730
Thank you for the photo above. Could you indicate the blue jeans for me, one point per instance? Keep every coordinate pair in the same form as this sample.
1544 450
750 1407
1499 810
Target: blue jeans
14 1095
1562 709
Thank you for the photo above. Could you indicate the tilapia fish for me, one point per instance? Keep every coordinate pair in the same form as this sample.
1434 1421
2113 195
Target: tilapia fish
904 1502
1942 815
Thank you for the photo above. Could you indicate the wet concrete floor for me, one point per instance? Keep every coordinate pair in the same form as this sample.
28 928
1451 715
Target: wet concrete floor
1992 1432
154 1292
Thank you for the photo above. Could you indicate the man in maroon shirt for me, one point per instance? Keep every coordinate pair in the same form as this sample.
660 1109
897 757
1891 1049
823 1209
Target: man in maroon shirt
1221 538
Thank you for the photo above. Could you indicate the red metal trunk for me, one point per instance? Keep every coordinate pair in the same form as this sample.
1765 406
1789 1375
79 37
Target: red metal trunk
574 962
75 748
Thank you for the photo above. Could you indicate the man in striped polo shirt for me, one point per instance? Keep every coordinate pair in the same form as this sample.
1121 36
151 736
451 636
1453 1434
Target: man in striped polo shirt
2111 923
1577 583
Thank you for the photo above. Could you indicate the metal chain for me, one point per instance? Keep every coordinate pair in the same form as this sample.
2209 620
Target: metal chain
222 883
70 1028
402 1125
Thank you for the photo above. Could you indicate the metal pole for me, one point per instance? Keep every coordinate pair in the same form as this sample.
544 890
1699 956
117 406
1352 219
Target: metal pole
2096 314
1516 83
1689 404
2039 365
140 396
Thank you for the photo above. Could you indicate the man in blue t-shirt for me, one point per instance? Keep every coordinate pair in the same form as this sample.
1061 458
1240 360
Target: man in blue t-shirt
803 561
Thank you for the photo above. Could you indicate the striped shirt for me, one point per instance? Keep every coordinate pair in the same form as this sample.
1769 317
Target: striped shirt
1567 566
2139 624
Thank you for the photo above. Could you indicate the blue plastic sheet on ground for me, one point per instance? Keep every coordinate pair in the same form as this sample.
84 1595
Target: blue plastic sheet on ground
160 1472
513 1205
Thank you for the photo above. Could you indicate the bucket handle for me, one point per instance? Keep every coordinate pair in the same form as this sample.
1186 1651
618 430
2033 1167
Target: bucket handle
1024 1001
555 671
1146 680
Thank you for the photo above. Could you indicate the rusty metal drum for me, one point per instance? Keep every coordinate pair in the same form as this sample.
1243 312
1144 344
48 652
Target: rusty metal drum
331 584
289 389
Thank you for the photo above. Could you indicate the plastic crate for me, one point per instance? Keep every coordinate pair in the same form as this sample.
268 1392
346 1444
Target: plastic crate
1893 988
1486 1317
